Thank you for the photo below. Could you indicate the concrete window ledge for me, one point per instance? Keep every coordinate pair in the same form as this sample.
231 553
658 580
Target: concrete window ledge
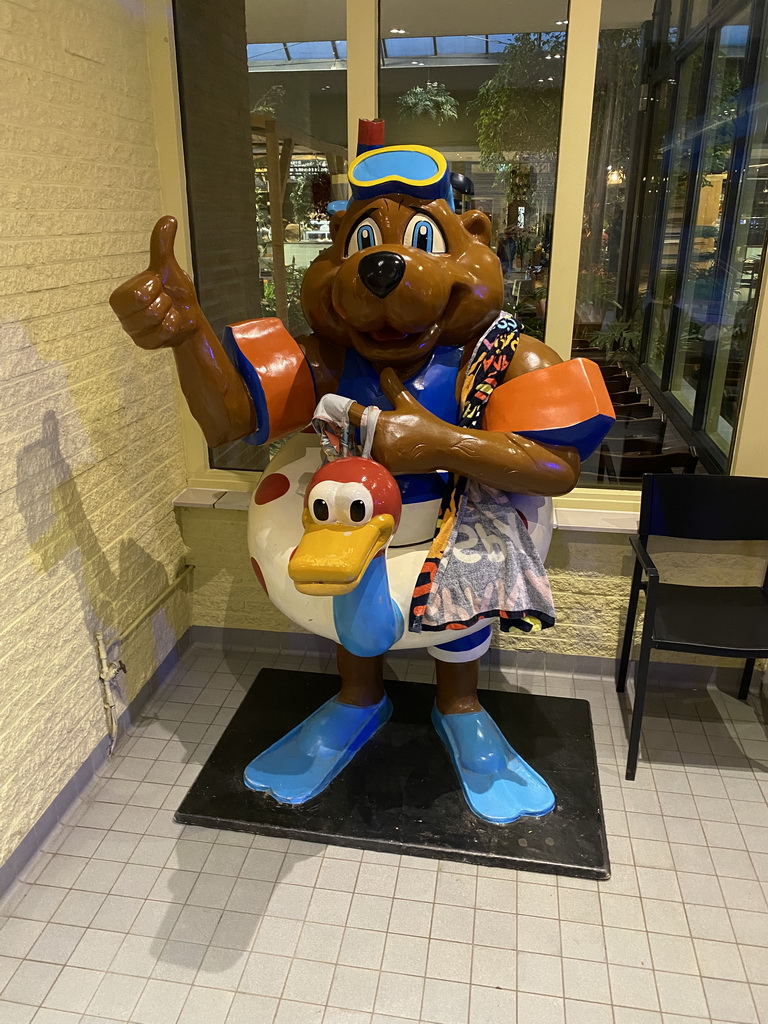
206 497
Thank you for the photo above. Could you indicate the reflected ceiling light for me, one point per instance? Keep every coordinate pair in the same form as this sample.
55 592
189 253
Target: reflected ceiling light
541 79
548 57
557 56
397 31
550 79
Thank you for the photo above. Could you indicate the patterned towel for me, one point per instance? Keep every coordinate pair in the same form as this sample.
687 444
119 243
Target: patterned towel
482 563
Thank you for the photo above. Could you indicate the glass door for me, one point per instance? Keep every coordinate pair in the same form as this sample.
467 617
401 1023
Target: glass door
698 319
740 271
678 155
706 253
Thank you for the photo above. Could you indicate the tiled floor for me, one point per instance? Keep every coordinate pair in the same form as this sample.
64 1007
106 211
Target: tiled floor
127 916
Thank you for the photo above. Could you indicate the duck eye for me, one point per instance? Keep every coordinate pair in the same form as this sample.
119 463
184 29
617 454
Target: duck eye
354 504
357 510
321 501
320 510
423 233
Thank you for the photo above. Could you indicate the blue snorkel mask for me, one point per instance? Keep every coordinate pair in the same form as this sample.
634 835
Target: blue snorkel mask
406 170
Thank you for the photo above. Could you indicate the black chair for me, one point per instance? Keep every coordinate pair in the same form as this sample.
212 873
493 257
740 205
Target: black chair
627 465
616 384
613 373
632 446
621 398
634 411
728 622
650 428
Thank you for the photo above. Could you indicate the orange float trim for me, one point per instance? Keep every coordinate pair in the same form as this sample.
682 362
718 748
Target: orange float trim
564 404
277 375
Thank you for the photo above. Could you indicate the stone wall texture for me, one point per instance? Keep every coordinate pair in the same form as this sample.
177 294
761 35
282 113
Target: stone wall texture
89 424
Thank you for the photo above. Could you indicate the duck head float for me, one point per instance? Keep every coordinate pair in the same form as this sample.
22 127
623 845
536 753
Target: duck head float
478 423
351 512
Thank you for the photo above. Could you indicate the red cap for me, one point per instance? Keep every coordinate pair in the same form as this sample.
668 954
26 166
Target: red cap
370 134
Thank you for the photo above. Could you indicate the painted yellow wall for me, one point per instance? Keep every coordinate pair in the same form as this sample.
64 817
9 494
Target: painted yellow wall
89 425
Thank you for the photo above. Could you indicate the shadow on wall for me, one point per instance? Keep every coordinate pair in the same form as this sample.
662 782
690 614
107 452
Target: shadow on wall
59 531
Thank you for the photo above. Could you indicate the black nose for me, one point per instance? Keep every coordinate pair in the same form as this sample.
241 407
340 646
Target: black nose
380 272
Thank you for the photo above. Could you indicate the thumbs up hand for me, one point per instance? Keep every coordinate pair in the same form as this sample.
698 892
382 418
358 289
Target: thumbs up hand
158 308
409 439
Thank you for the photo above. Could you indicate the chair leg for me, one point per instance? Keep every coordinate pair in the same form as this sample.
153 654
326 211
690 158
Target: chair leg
629 630
641 678
746 679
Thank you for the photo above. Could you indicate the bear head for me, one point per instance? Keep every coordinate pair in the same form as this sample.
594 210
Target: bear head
402 276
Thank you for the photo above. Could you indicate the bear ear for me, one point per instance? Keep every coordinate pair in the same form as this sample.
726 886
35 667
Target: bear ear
335 224
478 224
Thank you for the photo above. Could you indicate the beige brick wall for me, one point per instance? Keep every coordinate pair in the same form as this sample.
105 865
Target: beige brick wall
89 426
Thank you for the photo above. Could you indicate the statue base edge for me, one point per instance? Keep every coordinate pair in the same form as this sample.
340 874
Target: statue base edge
400 794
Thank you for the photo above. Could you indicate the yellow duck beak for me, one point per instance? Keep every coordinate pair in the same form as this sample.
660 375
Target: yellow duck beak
331 558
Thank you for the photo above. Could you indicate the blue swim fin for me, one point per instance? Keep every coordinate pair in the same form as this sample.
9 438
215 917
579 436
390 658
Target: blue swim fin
302 763
498 784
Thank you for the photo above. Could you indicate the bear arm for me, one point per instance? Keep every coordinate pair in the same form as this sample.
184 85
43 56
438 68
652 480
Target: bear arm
325 360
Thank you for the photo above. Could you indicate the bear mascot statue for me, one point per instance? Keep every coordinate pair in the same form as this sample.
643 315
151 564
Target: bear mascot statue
466 426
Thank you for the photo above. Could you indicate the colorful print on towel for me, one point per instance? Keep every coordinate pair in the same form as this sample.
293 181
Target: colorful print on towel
482 563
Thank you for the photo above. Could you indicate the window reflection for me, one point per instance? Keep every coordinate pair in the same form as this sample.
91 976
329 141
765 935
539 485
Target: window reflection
668 312
298 84
490 101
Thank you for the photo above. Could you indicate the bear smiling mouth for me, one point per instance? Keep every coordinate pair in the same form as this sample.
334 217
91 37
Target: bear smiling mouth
391 334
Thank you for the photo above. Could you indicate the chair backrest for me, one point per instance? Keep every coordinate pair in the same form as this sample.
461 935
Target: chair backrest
634 465
653 428
612 373
704 507
635 411
632 445
614 384
619 398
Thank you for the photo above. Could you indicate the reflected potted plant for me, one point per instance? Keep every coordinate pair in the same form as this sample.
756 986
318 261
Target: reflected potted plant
620 337
595 296
432 102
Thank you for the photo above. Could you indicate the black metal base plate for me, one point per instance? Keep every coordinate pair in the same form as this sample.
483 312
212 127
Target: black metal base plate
400 793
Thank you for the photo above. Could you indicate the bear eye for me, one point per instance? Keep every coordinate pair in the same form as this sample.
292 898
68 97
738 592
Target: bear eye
423 233
364 235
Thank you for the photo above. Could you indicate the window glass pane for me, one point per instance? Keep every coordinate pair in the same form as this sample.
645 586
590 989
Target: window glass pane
298 86
612 137
699 313
320 50
732 340
697 11
601 326
461 44
676 155
490 101
651 194
403 46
